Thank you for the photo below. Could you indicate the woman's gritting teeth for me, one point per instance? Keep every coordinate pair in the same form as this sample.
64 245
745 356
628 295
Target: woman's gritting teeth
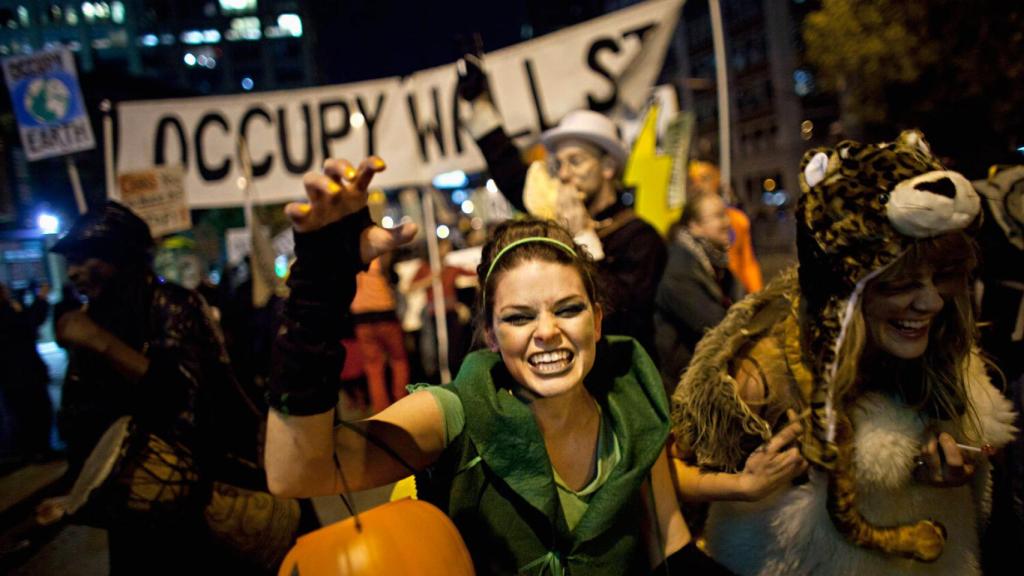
551 361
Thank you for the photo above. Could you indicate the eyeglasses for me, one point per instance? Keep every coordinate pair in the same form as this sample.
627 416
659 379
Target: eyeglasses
577 162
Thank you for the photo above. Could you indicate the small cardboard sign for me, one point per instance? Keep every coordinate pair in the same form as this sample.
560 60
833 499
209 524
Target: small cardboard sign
158 196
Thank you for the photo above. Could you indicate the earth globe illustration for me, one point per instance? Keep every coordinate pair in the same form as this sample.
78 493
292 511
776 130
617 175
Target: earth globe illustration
47 100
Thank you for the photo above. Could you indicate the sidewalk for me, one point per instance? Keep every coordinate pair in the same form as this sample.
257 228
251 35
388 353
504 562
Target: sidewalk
21 485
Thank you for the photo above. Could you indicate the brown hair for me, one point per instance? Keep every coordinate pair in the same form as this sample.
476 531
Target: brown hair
691 210
511 231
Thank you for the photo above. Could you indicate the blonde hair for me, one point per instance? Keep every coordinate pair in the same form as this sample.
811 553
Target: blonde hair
935 382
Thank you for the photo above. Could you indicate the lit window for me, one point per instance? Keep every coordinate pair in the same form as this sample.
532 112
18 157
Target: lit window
71 16
237 5
88 11
117 12
290 23
149 40
192 37
23 16
247 28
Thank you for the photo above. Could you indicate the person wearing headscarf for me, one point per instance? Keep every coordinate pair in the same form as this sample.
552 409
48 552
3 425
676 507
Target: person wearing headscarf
150 349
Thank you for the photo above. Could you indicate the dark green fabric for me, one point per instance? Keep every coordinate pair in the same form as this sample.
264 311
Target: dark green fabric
496 482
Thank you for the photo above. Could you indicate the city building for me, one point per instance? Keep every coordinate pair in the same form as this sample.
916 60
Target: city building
212 47
777 112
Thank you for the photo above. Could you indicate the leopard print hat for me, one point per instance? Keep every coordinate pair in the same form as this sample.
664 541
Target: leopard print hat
862 206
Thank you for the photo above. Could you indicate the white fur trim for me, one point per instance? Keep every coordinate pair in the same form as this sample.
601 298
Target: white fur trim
995 412
790 532
885 448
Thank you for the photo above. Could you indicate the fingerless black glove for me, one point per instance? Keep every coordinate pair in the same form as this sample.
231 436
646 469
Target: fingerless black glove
308 356
472 82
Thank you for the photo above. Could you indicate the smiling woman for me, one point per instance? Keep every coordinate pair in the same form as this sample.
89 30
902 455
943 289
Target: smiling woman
869 346
924 292
547 450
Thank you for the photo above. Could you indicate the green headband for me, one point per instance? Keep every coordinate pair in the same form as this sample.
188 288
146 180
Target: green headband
557 243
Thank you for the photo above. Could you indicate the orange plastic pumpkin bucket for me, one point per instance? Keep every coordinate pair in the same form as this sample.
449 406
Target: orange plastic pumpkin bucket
401 537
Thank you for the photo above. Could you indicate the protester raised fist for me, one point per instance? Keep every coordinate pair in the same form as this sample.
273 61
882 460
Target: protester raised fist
473 81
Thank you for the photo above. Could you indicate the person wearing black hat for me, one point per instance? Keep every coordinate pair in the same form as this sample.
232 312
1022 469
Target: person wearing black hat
150 349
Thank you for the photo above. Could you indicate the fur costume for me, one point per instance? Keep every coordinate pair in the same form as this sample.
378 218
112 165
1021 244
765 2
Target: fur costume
863 206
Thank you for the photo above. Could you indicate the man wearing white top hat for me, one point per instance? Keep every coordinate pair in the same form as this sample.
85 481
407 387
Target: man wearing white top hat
586 155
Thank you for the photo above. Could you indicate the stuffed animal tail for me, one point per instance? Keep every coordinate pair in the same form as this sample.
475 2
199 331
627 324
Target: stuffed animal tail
923 540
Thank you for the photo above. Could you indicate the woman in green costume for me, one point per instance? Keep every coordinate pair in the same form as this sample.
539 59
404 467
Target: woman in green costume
547 450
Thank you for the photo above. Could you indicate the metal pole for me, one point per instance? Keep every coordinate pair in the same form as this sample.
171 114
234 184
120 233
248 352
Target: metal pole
76 185
113 192
436 267
722 87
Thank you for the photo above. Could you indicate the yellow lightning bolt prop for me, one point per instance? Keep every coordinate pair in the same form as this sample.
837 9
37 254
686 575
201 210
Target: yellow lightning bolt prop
649 174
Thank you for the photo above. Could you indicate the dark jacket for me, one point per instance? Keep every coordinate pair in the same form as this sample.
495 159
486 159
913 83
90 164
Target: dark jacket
690 300
188 394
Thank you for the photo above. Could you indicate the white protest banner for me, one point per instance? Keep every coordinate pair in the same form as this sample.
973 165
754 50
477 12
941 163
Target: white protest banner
415 123
48 104
157 195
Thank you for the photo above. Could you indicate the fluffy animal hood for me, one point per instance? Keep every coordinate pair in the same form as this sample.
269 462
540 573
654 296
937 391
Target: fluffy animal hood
863 206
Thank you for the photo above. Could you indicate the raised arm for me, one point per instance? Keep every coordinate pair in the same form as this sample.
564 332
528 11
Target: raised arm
334 240
483 122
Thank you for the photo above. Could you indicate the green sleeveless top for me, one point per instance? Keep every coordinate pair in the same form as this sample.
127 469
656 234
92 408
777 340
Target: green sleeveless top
496 482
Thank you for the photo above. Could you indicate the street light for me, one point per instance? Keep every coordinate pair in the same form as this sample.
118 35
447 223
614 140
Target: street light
48 223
